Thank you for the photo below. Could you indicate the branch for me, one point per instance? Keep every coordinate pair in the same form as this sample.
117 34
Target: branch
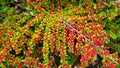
96 47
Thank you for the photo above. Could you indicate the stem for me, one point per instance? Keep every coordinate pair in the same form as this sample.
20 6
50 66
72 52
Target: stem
96 47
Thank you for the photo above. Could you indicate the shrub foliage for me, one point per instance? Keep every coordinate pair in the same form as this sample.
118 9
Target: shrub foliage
41 39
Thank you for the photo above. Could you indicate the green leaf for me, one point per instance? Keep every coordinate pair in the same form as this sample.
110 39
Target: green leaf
8 64
118 66
103 22
73 0
118 34
107 41
113 35
2 65
72 59
2 10
102 13
103 59
4 2
48 2
116 47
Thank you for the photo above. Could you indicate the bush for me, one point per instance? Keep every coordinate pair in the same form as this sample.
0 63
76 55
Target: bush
45 38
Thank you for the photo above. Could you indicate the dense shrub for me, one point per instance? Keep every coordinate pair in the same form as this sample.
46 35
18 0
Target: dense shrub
46 38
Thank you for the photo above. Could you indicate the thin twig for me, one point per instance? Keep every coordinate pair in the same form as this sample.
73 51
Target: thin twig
96 47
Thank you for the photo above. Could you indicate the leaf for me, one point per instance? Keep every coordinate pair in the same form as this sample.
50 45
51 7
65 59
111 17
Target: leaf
113 35
2 10
2 65
107 41
48 2
118 34
116 47
111 3
73 1
10 11
72 59
104 59
118 66
103 22
8 64
102 13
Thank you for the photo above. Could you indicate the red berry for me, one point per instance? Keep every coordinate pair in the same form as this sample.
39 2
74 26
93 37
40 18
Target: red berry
119 60
1 57
65 67
39 8
112 65
118 2
61 7
37 0
106 52
51 11
30 3
88 0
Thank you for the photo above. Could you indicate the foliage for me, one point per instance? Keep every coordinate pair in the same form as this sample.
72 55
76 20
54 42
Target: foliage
4 2
41 39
